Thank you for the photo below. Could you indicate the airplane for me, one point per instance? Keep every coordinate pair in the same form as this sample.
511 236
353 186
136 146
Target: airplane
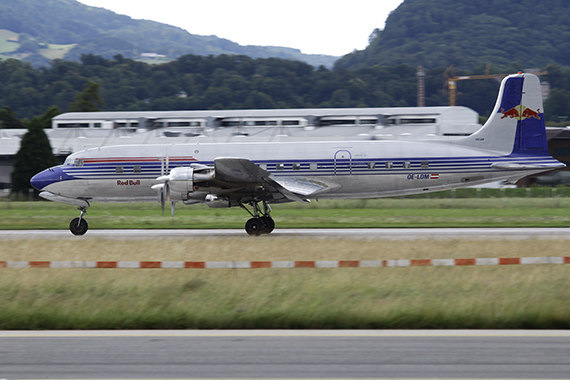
253 175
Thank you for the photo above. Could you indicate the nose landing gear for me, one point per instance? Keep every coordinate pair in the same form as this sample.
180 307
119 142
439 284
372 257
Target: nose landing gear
79 226
261 222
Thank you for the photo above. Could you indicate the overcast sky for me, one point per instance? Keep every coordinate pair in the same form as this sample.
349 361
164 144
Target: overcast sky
315 26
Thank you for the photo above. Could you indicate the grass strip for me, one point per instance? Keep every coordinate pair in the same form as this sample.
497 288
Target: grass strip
379 213
420 297
527 297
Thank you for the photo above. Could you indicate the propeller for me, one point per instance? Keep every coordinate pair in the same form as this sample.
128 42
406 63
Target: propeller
181 181
163 190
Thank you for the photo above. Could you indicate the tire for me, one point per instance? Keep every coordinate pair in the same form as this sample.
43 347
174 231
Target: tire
254 227
269 224
78 226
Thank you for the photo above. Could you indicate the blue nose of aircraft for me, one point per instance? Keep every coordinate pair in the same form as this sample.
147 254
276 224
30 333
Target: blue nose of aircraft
47 177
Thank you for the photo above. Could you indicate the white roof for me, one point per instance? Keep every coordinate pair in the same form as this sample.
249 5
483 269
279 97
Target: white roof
296 112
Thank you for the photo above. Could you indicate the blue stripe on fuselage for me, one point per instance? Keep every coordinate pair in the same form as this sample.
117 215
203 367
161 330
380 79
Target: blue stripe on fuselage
49 176
323 167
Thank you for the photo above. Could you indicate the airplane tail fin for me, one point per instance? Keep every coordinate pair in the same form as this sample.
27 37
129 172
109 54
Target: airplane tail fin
516 125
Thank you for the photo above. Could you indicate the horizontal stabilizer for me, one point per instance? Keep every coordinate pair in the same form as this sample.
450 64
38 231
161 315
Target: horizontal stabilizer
58 198
517 166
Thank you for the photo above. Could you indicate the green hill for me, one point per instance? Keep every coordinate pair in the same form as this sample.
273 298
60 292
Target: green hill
467 34
40 30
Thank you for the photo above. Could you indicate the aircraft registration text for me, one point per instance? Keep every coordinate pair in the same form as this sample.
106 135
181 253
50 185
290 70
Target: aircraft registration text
422 176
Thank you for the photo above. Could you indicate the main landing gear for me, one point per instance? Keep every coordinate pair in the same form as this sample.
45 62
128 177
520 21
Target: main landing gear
261 222
79 226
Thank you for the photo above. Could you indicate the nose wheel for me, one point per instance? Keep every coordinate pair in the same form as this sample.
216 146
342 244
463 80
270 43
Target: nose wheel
261 222
79 226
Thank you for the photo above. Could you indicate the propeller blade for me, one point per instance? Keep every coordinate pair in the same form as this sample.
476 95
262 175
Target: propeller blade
163 178
167 191
172 207
162 200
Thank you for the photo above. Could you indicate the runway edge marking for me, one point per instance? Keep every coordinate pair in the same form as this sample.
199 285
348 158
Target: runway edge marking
299 264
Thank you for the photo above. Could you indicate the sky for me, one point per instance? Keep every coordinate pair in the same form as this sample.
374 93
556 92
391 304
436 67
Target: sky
331 27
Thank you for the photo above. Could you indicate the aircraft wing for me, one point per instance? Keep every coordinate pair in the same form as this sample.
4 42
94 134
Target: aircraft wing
299 188
239 171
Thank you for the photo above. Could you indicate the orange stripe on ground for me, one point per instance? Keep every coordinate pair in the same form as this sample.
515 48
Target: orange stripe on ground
151 264
304 264
40 264
260 264
420 263
349 263
195 264
106 264
509 261
464 261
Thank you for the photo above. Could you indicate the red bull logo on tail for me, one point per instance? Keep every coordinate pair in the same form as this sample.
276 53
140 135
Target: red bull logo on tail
528 113
520 112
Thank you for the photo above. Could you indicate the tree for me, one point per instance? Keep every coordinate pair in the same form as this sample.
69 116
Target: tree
45 120
556 106
87 100
8 119
35 155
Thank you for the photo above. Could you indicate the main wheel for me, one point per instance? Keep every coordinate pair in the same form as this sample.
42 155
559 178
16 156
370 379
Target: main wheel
269 224
78 226
254 227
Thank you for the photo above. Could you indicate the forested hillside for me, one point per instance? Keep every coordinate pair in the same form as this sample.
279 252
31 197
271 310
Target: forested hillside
486 36
467 33
238 82
39 30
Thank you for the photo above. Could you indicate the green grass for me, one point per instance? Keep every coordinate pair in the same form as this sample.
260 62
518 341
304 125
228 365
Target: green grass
449 209
56 51
7 41
522 297
9 44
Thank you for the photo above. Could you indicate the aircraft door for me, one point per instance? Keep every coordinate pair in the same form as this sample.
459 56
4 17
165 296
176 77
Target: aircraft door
342 162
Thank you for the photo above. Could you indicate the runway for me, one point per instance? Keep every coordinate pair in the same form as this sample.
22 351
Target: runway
359 233
377 354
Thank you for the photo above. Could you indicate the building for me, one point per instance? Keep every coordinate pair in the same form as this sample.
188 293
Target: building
72 132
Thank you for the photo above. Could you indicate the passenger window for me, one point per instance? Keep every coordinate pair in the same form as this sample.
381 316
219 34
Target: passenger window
137 169
119 169
389 164
425 164
371 165
407 164
296 166
279 166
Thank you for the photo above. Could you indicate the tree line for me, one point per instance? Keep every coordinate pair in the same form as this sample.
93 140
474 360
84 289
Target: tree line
239 82
468 33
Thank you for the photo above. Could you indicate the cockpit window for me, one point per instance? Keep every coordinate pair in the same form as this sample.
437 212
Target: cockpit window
78 162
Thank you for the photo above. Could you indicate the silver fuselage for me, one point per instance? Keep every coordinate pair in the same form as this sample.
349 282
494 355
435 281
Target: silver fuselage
347 169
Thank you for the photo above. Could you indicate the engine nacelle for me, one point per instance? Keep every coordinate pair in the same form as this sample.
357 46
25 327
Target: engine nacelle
181 179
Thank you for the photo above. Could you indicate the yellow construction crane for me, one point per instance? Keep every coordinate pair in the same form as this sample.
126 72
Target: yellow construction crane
452 85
